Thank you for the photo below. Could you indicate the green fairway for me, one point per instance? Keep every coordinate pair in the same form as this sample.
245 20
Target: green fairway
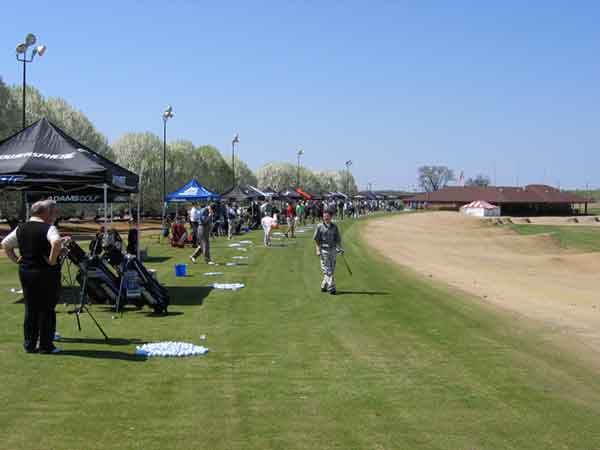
394 362
579 237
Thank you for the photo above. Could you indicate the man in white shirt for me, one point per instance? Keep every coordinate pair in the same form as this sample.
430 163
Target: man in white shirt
39 245
194 220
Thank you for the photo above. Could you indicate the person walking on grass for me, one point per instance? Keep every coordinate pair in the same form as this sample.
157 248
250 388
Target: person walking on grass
231 218
269 223
205 218
290 214
327 240
194 214
300 213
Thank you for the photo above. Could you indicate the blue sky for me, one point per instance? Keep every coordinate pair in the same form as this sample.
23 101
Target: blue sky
391 85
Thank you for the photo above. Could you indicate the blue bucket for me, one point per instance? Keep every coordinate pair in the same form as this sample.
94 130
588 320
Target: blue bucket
180 270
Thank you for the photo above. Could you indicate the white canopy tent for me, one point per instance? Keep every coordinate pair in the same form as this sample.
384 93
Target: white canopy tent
481 208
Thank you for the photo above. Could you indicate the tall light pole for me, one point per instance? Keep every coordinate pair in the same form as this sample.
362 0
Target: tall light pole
22 48
299 153
235 140
21 55
167 114
348 164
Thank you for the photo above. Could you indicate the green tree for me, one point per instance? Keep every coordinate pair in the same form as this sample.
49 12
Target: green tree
276 175
10 112
58 111
143 152
243 174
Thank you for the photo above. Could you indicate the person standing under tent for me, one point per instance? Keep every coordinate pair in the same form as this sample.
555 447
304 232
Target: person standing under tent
178 234
231 218
327 240
266 208
194 214
205 217
40 246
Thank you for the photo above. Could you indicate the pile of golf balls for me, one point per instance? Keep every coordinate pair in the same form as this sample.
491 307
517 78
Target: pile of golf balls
169 348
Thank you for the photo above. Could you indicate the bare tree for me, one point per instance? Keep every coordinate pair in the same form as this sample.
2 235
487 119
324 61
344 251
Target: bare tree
434 178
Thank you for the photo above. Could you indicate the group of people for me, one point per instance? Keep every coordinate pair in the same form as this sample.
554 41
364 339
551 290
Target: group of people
40 247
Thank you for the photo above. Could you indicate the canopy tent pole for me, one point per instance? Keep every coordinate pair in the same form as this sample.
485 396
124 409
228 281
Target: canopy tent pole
164 220
139 207
105 188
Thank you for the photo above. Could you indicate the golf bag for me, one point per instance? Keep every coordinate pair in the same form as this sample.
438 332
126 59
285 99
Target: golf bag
150 290
102 285
132 283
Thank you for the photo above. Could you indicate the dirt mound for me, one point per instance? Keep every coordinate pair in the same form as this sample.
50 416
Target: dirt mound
530 275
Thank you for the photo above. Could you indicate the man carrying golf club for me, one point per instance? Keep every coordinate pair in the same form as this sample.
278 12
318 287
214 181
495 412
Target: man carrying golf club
327 240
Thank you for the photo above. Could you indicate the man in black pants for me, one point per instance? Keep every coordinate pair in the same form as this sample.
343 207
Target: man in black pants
39 246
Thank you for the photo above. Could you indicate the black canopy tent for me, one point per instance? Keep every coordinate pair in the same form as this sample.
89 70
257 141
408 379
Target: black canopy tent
43 158
238 194
290 194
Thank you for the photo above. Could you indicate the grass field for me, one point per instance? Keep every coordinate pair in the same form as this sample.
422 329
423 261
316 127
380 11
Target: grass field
394 362
577 237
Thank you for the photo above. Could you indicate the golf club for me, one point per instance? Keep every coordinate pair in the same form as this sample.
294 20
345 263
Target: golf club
342 252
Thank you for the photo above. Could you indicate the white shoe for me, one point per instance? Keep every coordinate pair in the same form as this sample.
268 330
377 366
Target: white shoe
193 259
57 337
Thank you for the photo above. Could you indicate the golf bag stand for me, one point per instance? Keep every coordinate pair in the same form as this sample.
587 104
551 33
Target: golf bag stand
83 306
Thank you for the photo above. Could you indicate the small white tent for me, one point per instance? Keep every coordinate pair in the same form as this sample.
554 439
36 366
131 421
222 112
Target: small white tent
481 208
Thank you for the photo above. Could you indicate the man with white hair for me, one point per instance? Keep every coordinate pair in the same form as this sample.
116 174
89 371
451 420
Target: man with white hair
39 245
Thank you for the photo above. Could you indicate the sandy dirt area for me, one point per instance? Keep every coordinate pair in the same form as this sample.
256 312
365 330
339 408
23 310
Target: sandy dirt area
527 275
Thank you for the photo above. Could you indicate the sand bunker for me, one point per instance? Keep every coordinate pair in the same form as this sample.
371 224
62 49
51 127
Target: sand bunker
529 275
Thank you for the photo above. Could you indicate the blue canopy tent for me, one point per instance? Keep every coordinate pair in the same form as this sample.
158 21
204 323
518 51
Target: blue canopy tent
192 192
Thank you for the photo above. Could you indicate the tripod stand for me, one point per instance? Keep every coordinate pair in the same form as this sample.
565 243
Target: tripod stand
83 303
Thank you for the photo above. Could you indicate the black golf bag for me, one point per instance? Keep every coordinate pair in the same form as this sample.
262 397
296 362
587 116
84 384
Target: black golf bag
102 284
129 283
150 290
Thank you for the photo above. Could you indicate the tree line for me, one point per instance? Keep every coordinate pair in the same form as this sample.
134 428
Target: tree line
142 153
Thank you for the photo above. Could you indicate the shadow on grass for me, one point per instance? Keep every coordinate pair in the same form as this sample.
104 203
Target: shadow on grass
156 259
155 314
362 293
104 354
188 295
110 341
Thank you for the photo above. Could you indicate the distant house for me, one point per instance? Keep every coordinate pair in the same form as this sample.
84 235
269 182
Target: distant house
534 199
